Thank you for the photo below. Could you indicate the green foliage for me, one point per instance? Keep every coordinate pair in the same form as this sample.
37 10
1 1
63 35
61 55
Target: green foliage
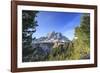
28 28
82 43
59 53
37 55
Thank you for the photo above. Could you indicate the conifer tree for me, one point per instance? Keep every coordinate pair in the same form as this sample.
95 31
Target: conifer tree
28 28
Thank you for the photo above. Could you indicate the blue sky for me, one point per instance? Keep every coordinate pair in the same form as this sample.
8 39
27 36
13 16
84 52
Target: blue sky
64 22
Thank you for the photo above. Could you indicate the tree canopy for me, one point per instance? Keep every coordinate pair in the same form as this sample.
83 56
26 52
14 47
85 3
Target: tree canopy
28 28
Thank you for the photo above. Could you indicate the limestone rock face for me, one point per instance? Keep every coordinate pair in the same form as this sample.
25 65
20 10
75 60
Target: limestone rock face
52 37
51 40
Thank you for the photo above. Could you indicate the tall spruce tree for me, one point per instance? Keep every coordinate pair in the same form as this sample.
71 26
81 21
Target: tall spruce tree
82 43
28 28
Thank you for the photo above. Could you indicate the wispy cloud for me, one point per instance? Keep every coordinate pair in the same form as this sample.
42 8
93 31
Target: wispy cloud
62 22
69 28
72 24
69 33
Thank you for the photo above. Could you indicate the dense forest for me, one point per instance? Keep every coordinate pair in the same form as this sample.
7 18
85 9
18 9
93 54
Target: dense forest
28 28
78 48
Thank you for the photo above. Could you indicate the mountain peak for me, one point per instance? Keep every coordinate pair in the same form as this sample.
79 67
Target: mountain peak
53 37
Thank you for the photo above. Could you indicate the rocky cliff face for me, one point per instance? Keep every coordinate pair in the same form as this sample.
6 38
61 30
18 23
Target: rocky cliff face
52 37
43 46
51 40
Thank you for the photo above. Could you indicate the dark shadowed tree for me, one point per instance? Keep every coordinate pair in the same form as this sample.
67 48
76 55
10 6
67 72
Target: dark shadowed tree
28 28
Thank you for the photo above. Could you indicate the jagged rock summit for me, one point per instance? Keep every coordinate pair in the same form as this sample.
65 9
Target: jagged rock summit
52 37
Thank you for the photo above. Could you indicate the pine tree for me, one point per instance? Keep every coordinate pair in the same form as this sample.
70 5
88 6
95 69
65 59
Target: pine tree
82 43
28 28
